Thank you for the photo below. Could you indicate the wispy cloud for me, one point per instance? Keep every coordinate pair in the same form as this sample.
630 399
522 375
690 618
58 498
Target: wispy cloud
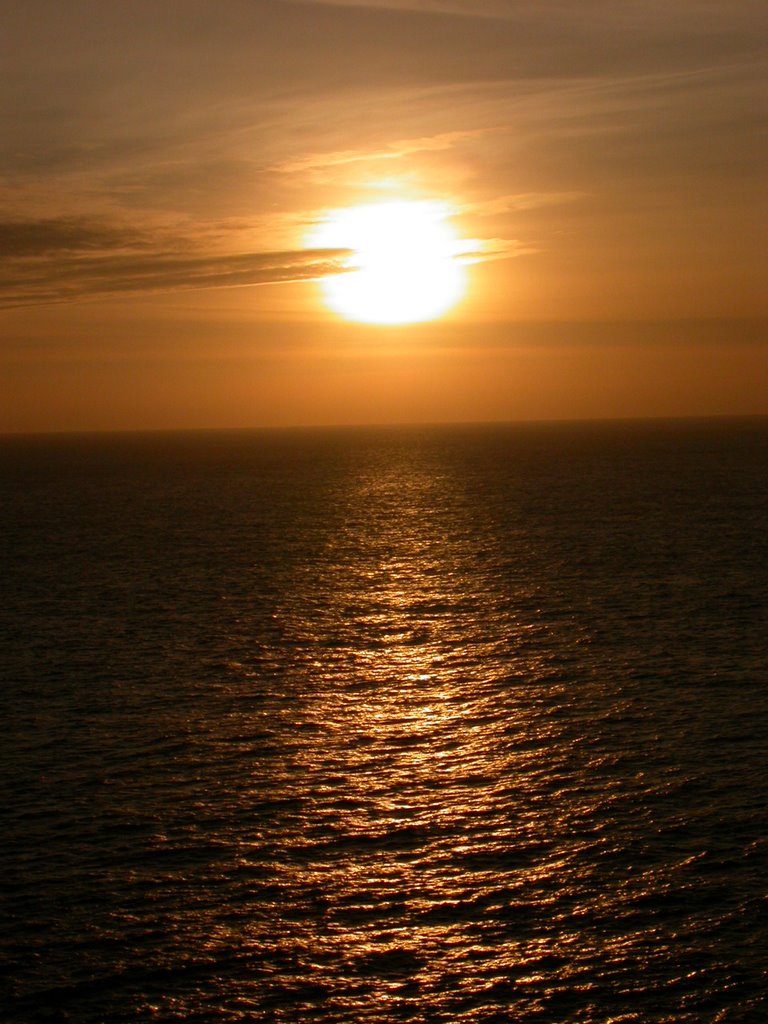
468 8
520 201
696 16
43 237
70 258
484 250
392 151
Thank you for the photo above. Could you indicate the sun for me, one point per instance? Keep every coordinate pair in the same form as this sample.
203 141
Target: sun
403 266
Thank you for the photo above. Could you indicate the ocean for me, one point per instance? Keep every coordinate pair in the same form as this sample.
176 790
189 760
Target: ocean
432 724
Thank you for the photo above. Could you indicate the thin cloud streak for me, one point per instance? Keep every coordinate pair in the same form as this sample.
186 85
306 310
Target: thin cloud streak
393 151
22 239
520 201
69 258
485 250
66 259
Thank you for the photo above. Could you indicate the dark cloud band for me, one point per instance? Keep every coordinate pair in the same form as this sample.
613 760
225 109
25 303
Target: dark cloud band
68 258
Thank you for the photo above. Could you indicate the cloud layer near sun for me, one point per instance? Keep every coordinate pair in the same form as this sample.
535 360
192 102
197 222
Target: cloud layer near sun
54 260
152 147
619 129
68 258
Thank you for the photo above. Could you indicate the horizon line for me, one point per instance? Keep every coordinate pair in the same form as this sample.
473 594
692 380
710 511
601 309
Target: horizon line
381 425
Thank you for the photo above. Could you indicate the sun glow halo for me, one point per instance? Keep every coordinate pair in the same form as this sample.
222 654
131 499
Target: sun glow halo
403 265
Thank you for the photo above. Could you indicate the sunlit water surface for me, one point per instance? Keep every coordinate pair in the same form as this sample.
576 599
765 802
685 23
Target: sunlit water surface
442 724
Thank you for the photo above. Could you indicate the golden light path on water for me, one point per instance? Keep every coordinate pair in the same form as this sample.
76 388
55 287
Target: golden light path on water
437 785
426 724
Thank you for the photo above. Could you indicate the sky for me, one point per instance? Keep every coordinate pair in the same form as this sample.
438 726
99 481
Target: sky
164 165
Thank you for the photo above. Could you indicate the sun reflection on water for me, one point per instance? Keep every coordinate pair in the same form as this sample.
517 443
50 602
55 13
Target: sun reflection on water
429 725
423 778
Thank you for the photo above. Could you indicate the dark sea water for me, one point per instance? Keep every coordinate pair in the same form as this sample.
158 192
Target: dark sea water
459 724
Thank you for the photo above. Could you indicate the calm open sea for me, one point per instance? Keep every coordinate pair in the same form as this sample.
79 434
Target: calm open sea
456 724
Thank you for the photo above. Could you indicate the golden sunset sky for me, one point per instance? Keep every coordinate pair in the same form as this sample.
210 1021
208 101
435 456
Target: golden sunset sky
166 165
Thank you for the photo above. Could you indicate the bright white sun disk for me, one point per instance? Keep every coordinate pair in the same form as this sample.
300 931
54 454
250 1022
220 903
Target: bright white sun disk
403 266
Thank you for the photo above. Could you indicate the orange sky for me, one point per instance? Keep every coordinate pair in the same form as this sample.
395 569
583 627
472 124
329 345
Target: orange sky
163 165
